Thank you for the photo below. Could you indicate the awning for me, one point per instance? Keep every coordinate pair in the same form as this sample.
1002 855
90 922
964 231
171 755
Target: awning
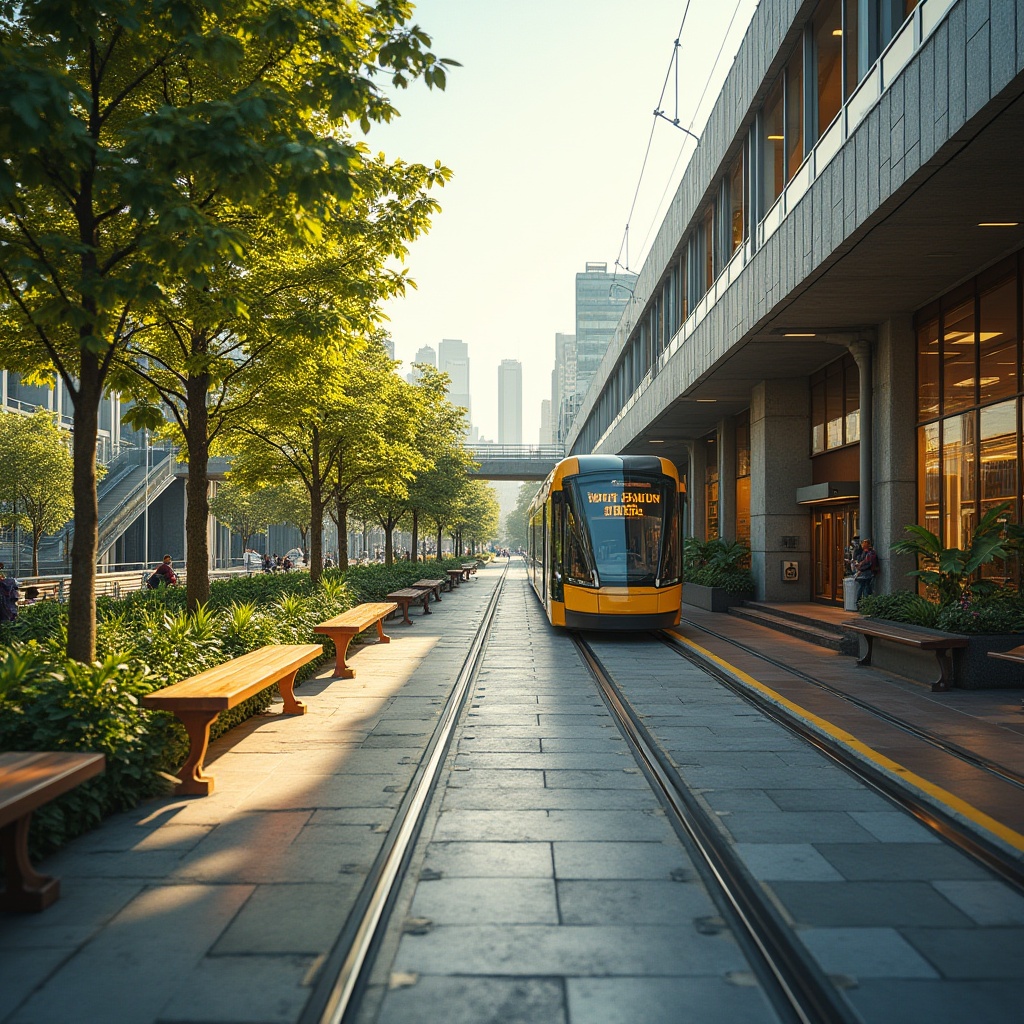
834 492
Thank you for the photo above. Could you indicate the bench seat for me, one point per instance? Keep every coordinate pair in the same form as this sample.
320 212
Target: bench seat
1016 655
342 628
28 780
907 636
434 586
410 595
197 701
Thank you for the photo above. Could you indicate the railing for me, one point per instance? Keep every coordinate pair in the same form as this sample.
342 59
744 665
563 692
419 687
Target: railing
118 518
116 584
535 452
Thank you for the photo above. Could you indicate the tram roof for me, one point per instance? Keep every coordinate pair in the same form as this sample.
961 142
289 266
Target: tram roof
579 464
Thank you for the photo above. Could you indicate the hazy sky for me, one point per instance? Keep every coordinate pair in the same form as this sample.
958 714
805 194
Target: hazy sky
545 128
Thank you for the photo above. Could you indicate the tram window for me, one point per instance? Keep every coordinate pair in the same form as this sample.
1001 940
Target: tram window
626 521
557 546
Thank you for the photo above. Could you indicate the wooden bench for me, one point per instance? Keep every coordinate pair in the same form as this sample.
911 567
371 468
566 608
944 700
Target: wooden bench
455 577
1015 655
434 586
408 596
468 569
199 700
342 628
907 636
27 781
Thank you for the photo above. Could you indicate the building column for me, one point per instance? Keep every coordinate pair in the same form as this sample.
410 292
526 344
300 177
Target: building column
895 455
695 488
861 352
780 463
727 479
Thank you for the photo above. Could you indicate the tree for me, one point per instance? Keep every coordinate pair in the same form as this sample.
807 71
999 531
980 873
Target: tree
287 501
479 514
516 523
35 486
203 354
132 133
242 510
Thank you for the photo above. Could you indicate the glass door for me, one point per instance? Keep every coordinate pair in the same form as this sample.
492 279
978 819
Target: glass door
832 533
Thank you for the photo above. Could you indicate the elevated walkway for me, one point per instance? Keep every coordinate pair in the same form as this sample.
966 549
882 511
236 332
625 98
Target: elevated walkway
514 461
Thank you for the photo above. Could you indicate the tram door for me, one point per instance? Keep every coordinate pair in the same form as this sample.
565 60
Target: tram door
832 531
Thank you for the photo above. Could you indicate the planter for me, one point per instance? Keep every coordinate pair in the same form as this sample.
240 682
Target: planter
712 599
973 669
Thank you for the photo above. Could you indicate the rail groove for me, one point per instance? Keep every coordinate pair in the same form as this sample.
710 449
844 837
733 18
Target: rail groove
335 998
796 985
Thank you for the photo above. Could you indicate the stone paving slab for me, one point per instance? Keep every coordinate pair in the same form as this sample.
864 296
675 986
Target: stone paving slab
221 908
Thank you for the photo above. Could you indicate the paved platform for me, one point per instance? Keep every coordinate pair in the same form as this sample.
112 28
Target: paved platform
549 886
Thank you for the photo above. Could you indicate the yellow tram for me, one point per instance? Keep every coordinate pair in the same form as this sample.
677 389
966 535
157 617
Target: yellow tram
604 543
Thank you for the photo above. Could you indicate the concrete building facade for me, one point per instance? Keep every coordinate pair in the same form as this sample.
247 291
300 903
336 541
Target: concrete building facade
826 333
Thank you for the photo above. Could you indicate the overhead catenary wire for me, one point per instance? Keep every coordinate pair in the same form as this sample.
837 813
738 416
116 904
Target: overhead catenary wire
660 114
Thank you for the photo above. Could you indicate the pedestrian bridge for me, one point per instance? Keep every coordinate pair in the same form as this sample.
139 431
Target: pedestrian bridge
514 461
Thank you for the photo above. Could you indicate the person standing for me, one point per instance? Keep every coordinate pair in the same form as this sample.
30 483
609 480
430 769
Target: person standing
867 567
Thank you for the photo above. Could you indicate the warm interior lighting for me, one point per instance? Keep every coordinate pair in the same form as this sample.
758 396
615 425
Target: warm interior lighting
999 224
967 337
775 138
712 400
794 334
837 32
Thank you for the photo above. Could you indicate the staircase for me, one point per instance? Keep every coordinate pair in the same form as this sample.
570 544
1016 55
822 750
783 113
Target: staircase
821 631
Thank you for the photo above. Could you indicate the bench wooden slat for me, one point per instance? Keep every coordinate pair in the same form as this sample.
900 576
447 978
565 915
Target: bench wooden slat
27 781
942 646
197 701
1016 655
342 628
227 685
406 596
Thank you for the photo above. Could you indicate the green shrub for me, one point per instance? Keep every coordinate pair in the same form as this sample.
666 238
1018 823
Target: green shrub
144 642
735 581
1001 613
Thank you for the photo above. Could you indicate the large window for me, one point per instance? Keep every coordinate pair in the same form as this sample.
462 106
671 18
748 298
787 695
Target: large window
737 203
774 143
835 406
828 53
969 406
794 113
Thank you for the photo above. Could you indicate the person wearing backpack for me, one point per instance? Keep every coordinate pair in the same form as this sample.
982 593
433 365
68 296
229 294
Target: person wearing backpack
866 566
163 574
8 597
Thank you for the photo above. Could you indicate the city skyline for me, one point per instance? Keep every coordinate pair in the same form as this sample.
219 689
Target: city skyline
534 196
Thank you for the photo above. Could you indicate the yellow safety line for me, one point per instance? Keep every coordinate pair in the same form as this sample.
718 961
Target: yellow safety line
1008 835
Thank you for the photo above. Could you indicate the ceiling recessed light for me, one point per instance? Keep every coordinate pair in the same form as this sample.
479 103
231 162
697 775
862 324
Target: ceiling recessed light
794 334
775 138
999 224
711 400
655 442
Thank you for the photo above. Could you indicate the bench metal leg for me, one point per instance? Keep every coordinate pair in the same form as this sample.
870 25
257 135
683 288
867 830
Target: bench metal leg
866 660
27 891
194 780
945 659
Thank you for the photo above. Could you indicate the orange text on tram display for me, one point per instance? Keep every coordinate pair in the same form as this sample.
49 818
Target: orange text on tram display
626 503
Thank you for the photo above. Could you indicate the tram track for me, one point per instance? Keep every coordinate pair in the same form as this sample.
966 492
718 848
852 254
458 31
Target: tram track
932 813
342 980
798 988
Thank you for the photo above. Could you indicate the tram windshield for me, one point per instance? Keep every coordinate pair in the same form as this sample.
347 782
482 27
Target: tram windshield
625 528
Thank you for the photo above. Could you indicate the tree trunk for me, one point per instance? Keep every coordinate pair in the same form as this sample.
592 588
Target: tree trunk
35 552
415 535
82 595
389 546
440 537
315 550
342 533
197 496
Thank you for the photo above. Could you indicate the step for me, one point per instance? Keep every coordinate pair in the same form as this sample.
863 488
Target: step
812 631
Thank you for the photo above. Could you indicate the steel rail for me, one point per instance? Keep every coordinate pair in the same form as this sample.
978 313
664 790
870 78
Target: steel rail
929 814
335 997
793 981
947 747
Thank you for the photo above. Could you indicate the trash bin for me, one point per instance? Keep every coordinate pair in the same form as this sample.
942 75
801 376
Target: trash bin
849 594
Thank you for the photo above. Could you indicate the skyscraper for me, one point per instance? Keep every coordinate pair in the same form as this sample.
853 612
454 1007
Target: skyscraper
563 385
510 402
600 299
425 355
453 359
546 436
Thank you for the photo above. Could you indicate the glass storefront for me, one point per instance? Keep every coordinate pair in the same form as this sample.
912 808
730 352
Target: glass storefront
969 406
